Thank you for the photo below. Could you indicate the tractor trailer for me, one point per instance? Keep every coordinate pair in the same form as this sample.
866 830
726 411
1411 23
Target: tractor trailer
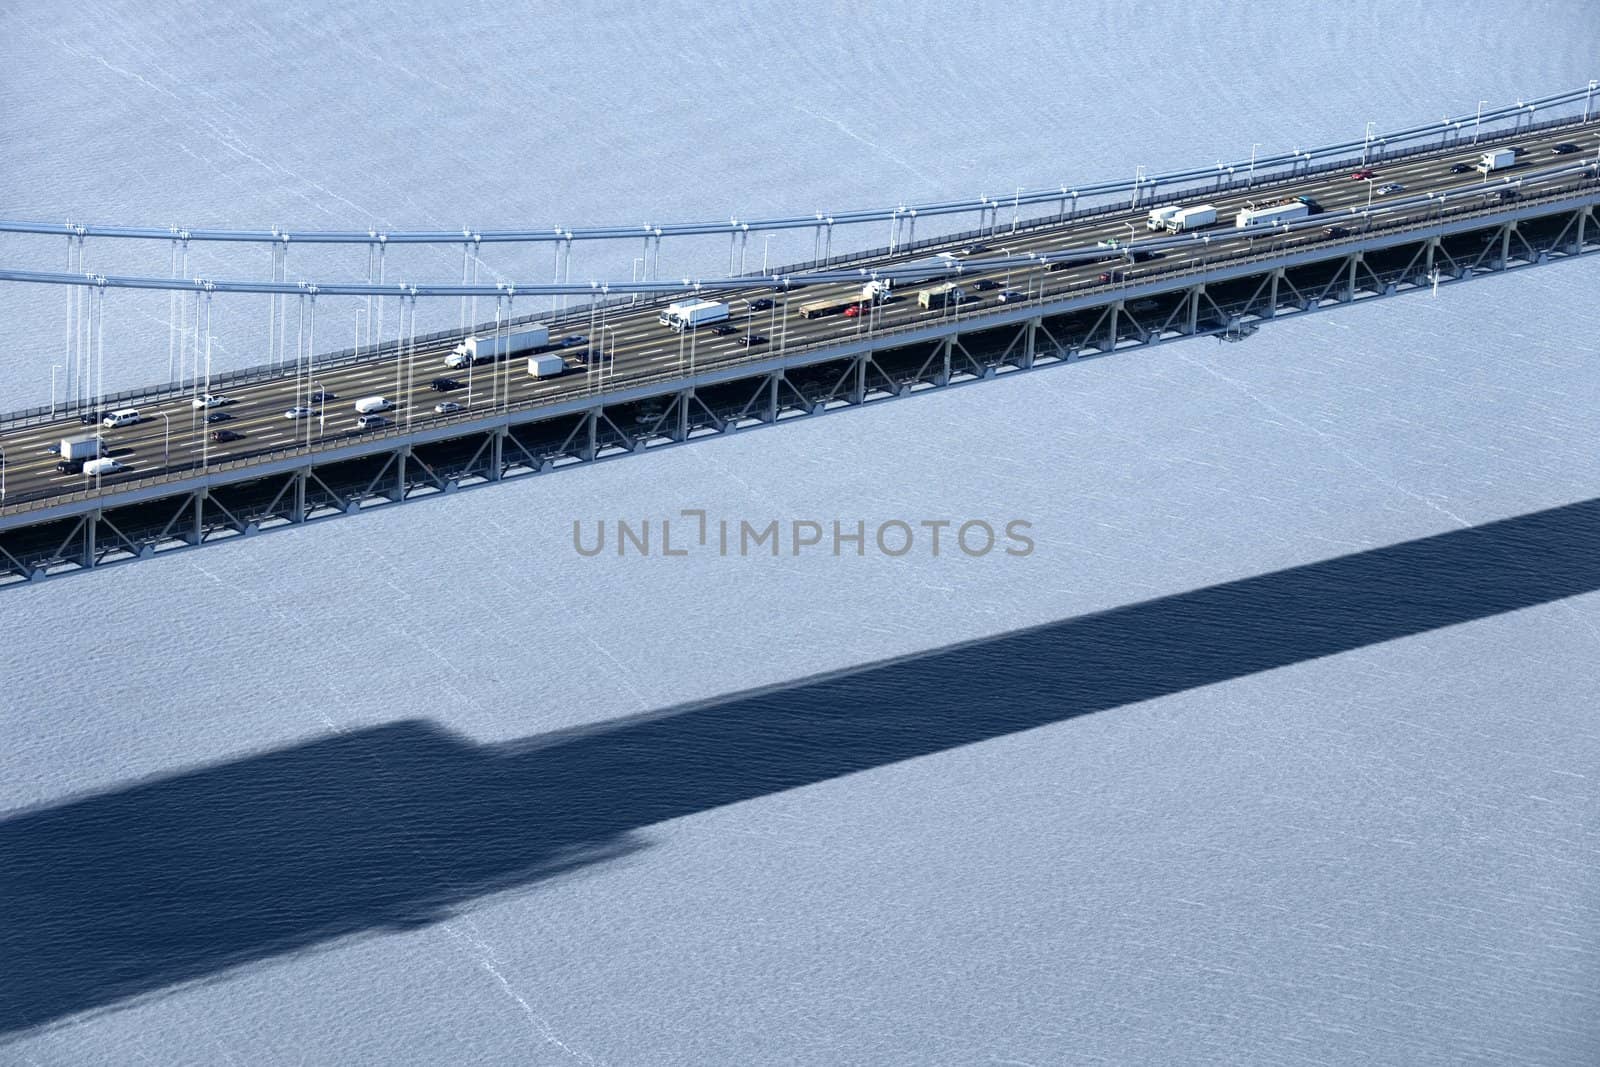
1279 211
692 314
871 293
1192 218
484 349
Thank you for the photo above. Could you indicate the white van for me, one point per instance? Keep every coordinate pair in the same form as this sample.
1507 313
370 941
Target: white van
101 466
121 417
371 405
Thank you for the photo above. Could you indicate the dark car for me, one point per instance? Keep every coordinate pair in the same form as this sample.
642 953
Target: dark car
444 385
1107 277
1143 257
724 330
1336 231
91 418
1059 265
1460 168
762 304
322 396
218 416
1519 150
750 340
1565 148
574 341
985 284
69 466
1506 194
224 436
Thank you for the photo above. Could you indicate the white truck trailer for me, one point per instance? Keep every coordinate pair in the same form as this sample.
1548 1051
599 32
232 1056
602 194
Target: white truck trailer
1271 214
694 314
546 366
1499 159
941 295
84 446
1192 218
484 349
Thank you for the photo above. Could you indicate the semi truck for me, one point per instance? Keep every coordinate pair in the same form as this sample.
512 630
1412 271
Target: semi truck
1271 214
871 293
546 366
1192 218
692 314
82 447
484 349
1499 159
940 295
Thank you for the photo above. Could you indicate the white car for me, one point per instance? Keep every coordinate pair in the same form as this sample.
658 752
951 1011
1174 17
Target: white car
300 411
1391 187
210 400
449 407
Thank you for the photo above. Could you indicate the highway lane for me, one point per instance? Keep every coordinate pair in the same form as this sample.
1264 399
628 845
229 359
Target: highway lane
642 347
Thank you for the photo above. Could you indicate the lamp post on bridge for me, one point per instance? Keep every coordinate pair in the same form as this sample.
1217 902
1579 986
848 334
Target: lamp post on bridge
1588 98
1477 121
53 368
166 440
1366 143
1251 177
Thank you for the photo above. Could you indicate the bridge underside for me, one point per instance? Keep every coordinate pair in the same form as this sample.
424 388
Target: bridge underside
105 532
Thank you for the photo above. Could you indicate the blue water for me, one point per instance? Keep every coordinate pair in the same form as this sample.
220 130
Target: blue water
1280 747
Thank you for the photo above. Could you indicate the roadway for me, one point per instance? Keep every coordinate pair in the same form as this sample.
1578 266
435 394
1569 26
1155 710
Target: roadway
636 346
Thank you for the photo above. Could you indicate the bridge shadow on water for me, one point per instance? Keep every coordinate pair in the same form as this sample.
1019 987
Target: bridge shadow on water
178 878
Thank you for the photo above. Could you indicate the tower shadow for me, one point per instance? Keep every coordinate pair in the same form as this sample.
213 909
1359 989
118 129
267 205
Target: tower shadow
156 883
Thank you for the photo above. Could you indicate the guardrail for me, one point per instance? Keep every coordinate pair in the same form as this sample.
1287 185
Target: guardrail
1397 227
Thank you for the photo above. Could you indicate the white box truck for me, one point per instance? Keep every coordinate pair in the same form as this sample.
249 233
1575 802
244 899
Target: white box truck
693 315
1499 159
84 446
371 405
1192 218
1271 214
547 366
940 295
1160 216
484 349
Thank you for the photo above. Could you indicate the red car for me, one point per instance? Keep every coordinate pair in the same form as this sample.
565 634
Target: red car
852 311
1363 174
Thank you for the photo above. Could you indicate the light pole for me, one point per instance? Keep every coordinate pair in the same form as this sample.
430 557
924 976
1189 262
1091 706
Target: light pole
1477 121
2 476
1016 208
765 242
1369 201
1588 97
1251 177
1366 142
322 410
166 440
53 368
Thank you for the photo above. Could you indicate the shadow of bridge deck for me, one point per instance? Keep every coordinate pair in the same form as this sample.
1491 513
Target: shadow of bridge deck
170 880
